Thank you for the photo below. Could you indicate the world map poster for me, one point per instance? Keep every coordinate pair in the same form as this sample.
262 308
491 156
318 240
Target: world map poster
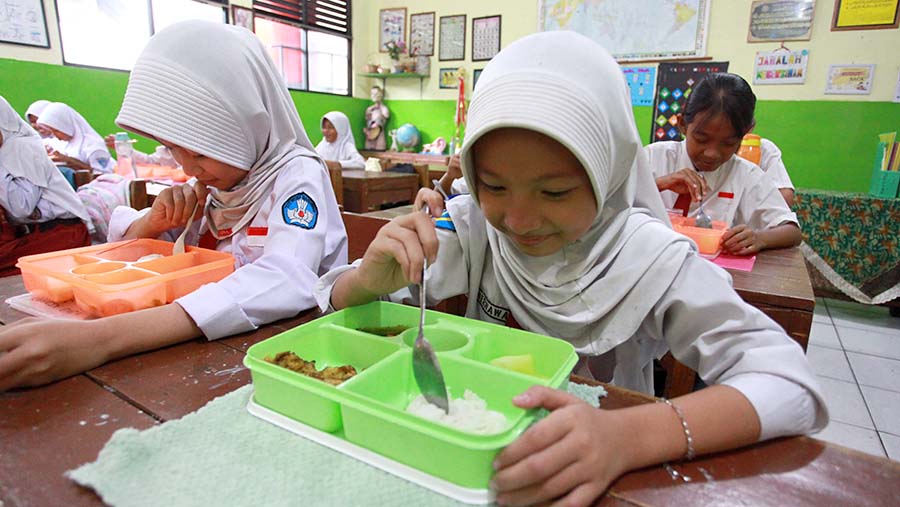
669 29
674 84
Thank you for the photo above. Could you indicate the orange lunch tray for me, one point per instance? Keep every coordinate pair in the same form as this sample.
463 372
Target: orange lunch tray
708 240
108 279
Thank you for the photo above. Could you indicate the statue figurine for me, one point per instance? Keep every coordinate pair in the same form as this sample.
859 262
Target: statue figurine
376 118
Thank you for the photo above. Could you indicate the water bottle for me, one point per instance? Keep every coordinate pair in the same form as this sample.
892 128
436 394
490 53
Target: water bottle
750 148
125 155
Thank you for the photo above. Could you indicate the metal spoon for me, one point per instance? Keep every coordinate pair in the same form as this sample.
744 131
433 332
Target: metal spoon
426 369
702 218
179 243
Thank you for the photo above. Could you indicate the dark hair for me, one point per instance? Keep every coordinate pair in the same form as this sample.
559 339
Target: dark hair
723 93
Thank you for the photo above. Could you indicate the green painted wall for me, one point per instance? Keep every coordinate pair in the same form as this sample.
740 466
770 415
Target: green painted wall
97 95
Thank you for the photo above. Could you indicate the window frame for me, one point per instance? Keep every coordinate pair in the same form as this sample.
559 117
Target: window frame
307 29
149 3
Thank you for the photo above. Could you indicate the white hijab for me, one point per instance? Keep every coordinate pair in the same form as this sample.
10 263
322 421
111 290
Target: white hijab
36 108
344 146
212 89
596 291
22 155
85 140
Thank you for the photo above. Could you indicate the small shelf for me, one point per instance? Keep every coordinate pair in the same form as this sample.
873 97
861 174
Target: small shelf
392 75
395 75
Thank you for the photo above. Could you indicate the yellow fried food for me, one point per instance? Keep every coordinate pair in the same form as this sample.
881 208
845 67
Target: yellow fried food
334 375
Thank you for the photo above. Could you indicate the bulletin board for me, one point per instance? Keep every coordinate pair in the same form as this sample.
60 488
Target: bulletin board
23 22
674 84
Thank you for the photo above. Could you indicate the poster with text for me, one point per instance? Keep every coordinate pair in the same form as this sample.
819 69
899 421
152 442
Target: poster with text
849 79
674 84
641 81
781 66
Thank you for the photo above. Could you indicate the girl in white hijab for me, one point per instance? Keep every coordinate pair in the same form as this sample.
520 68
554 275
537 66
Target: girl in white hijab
338 147
560 236
32 114
35 196
83 147
261 193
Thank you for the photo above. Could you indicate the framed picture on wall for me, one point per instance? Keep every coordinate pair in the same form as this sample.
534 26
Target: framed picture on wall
421 34
475 75
449 77
780 20
391 27
23 22
850 79
452 38
241 16
865 15
485 38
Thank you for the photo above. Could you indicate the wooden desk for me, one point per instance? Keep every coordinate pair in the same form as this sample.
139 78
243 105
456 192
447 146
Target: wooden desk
47 430
399 157
779 286
422 163
364 190
391 213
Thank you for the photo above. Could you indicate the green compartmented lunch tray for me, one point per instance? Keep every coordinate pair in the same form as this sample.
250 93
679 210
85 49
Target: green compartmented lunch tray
369 410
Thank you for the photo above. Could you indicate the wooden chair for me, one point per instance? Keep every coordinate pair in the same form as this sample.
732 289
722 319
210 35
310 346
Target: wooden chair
337 184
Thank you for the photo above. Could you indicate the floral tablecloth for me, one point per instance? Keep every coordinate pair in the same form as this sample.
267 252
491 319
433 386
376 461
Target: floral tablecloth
853 241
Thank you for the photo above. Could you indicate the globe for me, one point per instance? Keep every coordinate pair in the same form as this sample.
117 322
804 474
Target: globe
408 136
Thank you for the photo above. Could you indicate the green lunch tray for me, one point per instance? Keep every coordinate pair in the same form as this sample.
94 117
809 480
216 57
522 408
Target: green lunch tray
369 410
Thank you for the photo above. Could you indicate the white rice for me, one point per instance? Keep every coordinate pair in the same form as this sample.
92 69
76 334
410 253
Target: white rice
150 257
469 414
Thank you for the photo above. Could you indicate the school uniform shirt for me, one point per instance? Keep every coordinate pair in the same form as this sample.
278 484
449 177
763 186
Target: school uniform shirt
296 236
734 344
770 162
740 193
32 189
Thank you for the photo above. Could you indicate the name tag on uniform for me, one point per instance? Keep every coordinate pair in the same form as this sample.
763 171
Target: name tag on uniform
726 195
256 236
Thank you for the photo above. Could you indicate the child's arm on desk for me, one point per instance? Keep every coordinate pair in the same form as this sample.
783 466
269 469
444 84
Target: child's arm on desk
39 351
580 450
742 240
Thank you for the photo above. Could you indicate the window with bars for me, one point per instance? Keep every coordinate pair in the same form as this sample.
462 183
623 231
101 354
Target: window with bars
112 33
309 40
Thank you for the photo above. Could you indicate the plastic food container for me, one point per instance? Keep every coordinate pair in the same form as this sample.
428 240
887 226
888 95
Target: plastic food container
108 279
369 410
708 240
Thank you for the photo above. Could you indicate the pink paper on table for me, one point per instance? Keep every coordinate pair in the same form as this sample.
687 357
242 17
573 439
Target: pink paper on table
738 262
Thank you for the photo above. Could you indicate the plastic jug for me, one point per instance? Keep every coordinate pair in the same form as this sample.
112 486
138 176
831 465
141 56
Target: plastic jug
750 148
125 155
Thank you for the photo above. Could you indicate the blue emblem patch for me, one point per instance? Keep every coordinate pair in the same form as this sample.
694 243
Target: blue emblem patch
300 210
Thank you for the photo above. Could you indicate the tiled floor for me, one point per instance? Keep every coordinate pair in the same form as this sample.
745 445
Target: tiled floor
855 351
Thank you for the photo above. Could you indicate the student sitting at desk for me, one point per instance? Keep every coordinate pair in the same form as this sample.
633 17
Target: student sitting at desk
270 204
84 149
562 236
338 147
772 164
705 168
42 210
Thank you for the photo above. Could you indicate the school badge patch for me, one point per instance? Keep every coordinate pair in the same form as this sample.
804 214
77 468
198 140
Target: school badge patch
300 210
